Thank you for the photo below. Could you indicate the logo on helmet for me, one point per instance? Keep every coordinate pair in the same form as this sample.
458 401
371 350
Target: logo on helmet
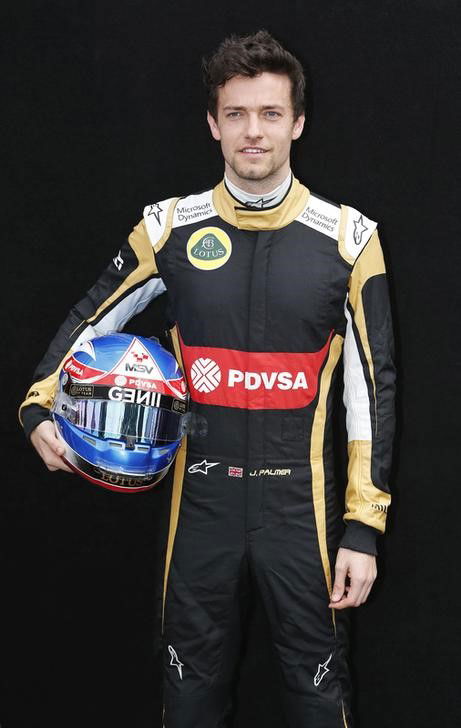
135 396
140 357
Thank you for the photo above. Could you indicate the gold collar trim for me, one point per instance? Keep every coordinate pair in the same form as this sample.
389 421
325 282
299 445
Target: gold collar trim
271 218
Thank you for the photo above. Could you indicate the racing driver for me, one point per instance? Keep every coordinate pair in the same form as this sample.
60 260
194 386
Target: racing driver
269 284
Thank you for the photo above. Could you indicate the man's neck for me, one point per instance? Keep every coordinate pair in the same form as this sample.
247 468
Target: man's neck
256 198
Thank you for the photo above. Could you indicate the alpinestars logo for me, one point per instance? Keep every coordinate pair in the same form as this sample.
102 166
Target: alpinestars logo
359 229
261 203
118 260
202 467
175 661
322 671
155 210
205 375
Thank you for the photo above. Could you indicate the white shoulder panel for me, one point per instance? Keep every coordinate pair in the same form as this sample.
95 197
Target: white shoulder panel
359 230
322 216
125 309
194 208
355 396
155 217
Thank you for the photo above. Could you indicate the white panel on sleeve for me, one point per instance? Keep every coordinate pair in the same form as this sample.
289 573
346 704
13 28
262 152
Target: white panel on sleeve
356 399
359 230
194 208
155 217
322 216
128 307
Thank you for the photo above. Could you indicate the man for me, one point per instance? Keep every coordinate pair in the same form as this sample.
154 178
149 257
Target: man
268 284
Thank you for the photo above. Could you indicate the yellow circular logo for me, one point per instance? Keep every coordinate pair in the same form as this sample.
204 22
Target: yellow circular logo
209 248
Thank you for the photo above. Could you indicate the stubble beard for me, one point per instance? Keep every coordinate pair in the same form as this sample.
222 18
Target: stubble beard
251 172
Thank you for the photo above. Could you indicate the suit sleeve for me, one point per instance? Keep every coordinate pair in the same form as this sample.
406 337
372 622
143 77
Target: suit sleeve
124 289
369 388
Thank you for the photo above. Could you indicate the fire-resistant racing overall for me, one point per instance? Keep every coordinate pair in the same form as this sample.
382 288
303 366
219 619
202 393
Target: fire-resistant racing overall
262 304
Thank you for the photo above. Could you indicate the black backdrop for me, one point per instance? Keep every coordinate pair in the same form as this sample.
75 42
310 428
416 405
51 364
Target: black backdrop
105 112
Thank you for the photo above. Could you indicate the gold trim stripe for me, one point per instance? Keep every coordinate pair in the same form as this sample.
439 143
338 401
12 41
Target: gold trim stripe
316 455
344 714
176 494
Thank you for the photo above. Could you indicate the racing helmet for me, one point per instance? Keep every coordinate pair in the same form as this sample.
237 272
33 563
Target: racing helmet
120 411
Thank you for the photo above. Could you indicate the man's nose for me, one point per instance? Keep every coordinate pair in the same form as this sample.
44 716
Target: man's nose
254 130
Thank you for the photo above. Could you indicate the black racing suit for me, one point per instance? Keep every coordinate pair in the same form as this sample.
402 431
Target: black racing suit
262 303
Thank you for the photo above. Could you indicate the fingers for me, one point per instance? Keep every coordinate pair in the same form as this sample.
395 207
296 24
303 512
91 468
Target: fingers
51 456
53 462
49 447
361 570
355 595
339 586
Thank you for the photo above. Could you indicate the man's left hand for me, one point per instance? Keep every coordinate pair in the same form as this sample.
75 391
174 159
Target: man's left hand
355 573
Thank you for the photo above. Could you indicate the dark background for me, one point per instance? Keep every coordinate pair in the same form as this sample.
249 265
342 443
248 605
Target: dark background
104 113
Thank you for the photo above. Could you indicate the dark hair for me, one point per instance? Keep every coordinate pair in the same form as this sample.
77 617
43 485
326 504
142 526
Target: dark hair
251 55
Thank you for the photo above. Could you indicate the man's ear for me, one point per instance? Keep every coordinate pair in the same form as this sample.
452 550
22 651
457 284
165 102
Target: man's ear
213 127
298 126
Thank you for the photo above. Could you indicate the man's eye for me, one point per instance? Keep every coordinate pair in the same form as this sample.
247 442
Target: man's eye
272 114
233 114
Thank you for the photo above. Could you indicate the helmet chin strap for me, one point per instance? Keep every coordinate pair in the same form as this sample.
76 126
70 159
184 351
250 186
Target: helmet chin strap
269 199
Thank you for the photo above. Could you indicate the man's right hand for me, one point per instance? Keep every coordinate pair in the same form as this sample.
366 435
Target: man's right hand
50 449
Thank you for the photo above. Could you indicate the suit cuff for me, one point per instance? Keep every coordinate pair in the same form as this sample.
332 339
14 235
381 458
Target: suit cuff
32 416
360 537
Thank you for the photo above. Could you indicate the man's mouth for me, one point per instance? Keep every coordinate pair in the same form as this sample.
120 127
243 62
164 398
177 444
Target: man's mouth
253 150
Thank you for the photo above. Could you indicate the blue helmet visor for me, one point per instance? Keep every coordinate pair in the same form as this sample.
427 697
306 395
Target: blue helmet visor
122 420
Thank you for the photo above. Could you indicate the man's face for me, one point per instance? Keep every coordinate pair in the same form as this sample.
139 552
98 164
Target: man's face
255 126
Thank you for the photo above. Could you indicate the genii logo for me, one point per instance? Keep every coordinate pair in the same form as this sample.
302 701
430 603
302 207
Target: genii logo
253 380
209 248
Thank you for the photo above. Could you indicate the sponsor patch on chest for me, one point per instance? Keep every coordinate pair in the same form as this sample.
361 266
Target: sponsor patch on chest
252 380
209 248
